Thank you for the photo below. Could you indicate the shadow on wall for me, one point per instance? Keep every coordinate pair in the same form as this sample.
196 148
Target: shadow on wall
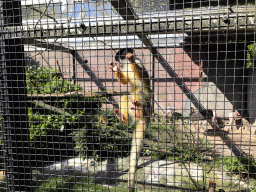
223 87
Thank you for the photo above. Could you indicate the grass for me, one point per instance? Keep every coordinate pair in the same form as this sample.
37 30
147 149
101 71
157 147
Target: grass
66 184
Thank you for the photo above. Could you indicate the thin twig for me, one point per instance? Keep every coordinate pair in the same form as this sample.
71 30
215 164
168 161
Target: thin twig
55 109
49 107
37 10
70 17
43 13
61 76
159 150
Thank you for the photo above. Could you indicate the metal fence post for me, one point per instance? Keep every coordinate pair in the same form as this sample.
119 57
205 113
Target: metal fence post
13 101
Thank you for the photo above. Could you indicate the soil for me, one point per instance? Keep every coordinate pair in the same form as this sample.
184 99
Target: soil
239 141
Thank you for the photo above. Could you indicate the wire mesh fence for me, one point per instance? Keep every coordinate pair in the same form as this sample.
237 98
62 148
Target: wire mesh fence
127 95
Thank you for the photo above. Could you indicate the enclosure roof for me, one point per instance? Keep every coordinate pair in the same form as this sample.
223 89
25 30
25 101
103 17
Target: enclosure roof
207 20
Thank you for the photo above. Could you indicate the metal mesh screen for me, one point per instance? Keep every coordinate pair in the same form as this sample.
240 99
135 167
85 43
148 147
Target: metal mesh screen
127 95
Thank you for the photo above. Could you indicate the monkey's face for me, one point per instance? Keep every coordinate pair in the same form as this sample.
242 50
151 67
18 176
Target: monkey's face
120 65
123 62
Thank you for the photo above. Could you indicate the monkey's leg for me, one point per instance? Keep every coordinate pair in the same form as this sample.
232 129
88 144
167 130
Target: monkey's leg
138 104
135 108
120 116
122 112
137 143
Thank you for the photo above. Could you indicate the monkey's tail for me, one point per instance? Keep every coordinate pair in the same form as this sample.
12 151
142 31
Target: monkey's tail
137 143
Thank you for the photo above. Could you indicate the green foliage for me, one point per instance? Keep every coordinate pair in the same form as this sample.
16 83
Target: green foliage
2 187
250 55
246 2
42 80
42 125
66 184
49 128
235 164
180 143
110 138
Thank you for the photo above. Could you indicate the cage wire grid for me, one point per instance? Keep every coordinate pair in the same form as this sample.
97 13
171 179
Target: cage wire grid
190 83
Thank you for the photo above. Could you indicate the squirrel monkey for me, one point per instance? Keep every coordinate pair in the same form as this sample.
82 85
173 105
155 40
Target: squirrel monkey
136 105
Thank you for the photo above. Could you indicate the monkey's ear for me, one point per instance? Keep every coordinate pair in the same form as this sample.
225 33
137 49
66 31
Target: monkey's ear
118 56
129 50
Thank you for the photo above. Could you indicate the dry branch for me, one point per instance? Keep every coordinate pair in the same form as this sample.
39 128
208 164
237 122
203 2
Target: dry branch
54 109
159 150
49 107
164 147
80 93
157 144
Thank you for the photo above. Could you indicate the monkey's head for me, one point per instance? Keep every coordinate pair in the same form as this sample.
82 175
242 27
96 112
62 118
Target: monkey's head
121 54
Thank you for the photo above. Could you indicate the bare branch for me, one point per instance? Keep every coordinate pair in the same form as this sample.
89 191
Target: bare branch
43 13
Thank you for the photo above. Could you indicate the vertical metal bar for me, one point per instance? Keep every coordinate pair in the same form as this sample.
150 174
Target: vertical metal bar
13 101
153 80
74 70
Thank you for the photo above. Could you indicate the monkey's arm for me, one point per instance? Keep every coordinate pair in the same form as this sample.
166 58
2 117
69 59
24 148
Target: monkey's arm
135 67
121 77
138 72
119 74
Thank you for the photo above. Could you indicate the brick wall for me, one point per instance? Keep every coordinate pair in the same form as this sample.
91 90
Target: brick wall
166 92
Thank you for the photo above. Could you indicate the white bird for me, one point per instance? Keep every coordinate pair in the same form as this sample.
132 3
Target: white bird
232 117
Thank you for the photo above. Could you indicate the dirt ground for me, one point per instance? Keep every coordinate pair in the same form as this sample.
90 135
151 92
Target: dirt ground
237 142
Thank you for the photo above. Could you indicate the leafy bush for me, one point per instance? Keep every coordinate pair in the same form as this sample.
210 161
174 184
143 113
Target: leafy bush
43 80
171 142
48 128
238 165
66 184
107 139
251 55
